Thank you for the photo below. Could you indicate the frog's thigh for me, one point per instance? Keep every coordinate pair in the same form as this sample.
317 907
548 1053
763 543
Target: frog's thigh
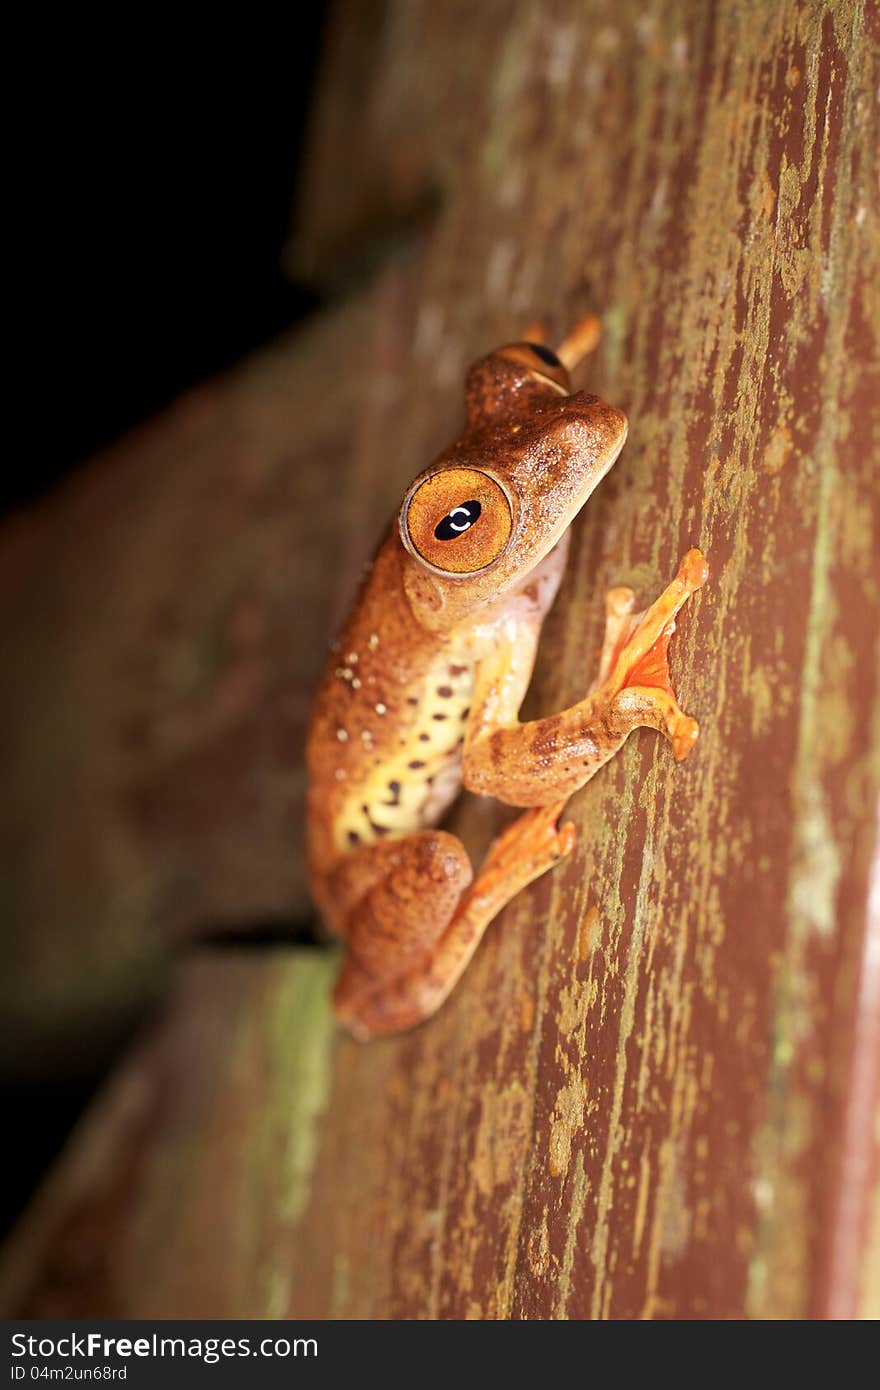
530 846
416 885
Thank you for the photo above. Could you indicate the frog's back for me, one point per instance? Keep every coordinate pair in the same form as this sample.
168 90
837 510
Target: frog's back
385 741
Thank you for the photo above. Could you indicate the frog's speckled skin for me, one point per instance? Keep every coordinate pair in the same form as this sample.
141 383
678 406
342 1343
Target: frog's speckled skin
423 690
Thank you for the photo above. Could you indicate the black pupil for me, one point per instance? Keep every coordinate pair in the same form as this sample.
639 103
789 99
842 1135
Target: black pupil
546 354
458 520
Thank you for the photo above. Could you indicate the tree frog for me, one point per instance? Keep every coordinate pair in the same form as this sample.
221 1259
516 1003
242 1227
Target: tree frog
423 690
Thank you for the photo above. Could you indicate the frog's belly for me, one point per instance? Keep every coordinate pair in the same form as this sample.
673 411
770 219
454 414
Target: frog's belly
415 781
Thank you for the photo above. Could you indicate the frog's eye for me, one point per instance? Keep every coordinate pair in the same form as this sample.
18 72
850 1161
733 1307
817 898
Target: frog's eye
546 354
458 520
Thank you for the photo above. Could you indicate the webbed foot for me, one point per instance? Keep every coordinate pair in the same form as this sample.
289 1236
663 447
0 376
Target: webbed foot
634 671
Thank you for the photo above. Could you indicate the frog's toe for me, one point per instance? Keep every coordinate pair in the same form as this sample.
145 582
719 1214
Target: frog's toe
693 571
619 605
619 602
684 738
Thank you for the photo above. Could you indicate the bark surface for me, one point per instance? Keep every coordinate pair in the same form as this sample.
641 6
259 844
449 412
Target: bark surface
654 1093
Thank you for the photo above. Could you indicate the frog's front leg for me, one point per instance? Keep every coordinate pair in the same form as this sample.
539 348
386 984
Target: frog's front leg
538 762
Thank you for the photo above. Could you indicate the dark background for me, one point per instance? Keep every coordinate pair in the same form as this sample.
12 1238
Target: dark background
159 174
161 170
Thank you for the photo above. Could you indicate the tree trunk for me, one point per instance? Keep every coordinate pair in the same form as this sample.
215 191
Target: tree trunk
654 1092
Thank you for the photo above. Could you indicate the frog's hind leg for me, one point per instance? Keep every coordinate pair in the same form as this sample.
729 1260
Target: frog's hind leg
392 901
369 1005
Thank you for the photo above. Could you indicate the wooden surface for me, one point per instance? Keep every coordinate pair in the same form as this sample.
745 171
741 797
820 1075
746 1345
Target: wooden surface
655 1092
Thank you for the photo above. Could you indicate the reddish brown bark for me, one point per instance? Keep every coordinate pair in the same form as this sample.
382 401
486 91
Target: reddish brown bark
653 1093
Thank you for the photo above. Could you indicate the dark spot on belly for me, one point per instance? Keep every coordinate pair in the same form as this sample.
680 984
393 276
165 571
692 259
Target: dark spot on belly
439 716
394 788
424 738
466 711
411 700
444 691
457 670
378 829
415 764
353 837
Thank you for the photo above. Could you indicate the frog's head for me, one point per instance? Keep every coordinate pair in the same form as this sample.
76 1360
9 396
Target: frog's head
479 520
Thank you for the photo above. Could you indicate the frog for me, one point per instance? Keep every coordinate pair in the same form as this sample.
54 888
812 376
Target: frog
422 692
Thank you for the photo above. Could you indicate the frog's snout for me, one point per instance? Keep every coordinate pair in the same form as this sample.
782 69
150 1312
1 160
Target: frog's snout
613 426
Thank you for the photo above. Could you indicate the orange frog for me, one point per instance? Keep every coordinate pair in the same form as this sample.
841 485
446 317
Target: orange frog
423 690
